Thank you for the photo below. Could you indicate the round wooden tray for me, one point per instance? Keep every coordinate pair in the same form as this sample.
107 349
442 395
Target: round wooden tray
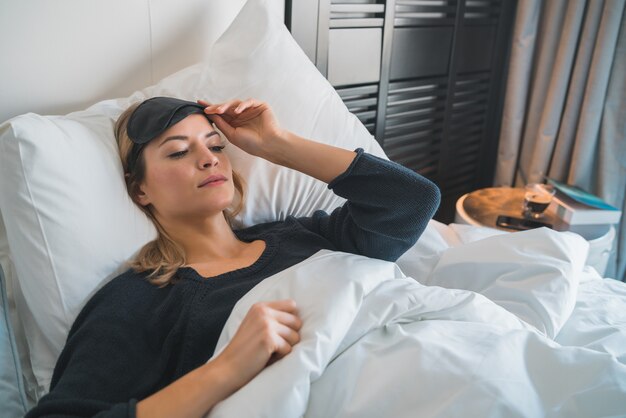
485 205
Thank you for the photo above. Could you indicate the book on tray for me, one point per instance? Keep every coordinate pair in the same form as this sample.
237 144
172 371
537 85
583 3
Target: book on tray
577 207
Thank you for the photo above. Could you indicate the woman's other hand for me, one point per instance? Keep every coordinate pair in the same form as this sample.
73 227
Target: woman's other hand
267 333
249 124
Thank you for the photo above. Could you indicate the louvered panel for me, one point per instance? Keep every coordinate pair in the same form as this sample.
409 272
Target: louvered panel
465 87
422 162
461 93
432 114
467 113
455 192
470 147
425 12
424 76
410 104
459 190
470 101
362 101
466 106
471 94
431 90
414 123
466 103
464 163
467 121
466 130
423 140
409 95
462 101
398 127
412 136
461 176
468 140
463 143
462 138
351 14
358 91
419 149
416 131
463 157
484 12
467 126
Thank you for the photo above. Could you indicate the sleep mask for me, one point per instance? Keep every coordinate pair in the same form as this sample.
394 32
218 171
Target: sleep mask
155 115
152 118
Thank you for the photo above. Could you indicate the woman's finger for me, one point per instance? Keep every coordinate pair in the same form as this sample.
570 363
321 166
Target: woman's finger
288 334
286 305
221 107
282 348
228 106
249 103
291 320
223 125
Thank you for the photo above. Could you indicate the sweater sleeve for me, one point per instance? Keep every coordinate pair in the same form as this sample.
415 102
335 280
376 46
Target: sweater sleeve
388 207
105 364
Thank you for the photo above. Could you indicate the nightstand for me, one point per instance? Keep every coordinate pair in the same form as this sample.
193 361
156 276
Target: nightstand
483 206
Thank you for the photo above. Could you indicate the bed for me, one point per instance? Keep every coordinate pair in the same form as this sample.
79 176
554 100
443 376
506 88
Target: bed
470 321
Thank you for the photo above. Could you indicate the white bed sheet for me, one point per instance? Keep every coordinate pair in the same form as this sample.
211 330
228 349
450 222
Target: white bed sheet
598 317
377 344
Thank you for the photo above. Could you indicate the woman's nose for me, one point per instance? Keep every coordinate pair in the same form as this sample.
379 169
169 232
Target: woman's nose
208 159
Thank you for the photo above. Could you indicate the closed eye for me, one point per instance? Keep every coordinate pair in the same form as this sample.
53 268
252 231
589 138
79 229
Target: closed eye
178 154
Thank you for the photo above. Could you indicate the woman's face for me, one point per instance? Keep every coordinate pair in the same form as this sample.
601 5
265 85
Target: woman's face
187 173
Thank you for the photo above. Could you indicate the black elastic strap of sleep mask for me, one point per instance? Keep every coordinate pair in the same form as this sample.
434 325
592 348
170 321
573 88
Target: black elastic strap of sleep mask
152 118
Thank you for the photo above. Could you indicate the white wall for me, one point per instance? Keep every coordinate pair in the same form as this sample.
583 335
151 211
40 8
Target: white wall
64 55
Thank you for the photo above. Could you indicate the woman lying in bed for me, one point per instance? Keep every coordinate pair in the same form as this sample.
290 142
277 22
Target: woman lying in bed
140 346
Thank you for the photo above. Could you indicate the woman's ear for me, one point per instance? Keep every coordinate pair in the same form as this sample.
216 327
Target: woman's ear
138 195
141 197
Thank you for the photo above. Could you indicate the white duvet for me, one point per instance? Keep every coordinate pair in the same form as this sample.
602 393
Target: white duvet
376 343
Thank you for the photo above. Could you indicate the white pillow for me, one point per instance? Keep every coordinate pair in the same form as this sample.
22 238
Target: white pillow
70 224
257 57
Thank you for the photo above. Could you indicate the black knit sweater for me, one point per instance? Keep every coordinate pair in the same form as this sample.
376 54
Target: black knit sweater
133 338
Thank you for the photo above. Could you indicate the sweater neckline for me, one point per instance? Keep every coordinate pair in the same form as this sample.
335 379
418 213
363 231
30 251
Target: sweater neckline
271 247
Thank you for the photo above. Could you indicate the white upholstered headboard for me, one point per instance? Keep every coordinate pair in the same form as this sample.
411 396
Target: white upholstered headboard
64 55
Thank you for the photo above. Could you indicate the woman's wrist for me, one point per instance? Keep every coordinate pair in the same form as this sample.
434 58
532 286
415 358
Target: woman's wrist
219 372
192 395
277 148
321 161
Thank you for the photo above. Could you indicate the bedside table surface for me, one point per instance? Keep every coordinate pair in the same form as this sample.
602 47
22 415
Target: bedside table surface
485 205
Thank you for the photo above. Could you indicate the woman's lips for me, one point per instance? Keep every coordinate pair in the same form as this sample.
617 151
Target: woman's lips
213 181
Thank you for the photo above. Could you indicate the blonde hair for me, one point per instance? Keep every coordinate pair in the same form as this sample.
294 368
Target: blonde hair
162 256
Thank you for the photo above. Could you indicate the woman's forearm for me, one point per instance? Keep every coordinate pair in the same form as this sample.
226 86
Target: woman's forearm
322 161
191 396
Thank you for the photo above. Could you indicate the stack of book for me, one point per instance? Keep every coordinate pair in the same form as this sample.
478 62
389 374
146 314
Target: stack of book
577 207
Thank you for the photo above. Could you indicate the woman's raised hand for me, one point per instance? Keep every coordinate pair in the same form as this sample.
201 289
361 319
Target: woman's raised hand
252 126
249 124
267 333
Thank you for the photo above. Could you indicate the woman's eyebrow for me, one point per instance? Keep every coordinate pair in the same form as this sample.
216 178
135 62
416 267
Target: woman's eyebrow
184 137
